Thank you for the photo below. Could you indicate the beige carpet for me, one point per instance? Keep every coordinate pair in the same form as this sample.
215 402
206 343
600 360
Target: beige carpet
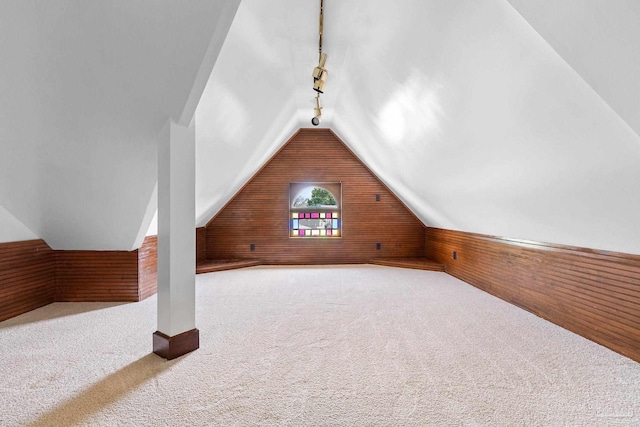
296 346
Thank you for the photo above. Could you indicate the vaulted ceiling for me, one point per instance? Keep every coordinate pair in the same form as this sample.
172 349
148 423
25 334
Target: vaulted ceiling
511 118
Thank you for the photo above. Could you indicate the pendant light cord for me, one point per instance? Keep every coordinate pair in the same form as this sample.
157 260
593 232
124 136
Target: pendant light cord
320 29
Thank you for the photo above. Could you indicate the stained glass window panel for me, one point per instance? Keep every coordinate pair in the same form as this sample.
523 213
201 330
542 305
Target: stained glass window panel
314 209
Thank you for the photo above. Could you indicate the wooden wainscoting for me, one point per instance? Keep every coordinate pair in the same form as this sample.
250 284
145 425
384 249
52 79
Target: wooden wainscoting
259 213
201 245
26 277
148 267
593 293
96 275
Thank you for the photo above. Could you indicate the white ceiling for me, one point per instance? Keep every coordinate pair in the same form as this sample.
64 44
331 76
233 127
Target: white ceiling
510 118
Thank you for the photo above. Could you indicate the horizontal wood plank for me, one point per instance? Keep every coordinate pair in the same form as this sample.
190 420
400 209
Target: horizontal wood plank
96 276
148 267
27 277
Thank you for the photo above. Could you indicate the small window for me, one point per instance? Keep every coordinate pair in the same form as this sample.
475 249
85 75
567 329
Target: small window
315 210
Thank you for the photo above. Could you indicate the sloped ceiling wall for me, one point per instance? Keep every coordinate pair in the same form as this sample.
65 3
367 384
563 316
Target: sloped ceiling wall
599 40
479 125
84 89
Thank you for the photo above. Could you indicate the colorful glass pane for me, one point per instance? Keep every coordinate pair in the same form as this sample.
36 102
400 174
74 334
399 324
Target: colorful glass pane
323 232
294 215
307 232
322 215
315 232
334 224
328 214
315 215
294 224
328 232
301 233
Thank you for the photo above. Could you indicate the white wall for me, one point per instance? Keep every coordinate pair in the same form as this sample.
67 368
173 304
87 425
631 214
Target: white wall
12 230
153 227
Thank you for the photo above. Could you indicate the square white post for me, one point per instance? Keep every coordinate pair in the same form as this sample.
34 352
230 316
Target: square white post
176 334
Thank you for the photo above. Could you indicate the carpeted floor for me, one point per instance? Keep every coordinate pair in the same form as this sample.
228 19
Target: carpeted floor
296 346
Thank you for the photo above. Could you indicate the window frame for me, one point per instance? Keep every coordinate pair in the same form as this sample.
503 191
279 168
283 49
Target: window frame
295 188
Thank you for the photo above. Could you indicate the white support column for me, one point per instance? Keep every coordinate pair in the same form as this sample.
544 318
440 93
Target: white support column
177 333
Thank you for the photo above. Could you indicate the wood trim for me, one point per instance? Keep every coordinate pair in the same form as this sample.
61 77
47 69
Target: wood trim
414 263
177 345
222 265
593 293
258 214
148 267
27 280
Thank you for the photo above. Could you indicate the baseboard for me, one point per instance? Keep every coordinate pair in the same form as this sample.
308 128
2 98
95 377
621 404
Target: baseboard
177 345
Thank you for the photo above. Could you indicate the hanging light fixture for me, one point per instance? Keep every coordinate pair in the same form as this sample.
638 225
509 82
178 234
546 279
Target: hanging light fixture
317 112
320 73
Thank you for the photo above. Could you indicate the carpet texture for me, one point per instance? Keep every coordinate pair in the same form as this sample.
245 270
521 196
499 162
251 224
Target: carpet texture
318 346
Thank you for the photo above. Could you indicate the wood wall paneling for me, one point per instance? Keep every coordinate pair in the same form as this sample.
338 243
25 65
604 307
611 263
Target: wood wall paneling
96 275
201 245
26 277
148 267
259 213
595 294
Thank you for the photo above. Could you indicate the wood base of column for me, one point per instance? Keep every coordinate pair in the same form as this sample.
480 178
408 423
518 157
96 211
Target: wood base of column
177 345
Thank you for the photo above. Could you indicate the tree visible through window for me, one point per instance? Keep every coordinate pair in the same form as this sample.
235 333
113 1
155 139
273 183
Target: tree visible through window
321 197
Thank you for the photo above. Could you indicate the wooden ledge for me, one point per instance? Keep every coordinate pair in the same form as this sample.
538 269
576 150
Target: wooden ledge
177 345
210 266
415 263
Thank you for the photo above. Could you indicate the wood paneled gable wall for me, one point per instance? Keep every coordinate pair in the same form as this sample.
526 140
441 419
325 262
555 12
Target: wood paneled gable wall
258 214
